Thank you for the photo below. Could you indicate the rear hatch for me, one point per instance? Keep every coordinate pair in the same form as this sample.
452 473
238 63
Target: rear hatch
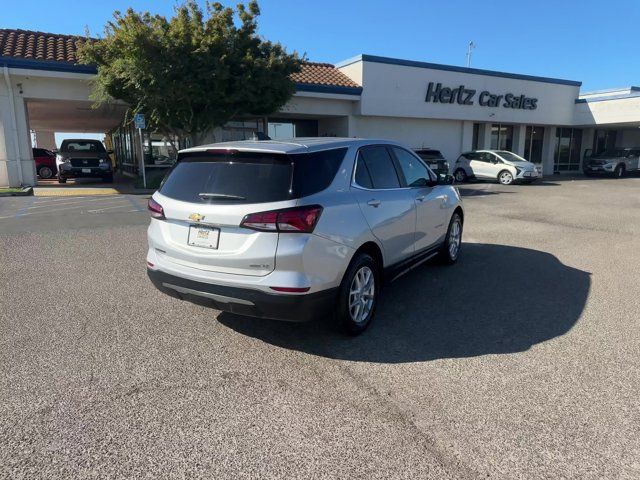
212 191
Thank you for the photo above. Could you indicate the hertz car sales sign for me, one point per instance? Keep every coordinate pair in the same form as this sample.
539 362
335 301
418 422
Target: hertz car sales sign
461 95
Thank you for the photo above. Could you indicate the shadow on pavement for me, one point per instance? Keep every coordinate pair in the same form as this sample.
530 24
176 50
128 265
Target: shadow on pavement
497 299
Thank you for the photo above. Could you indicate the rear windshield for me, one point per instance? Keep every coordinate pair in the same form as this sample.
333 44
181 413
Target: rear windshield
250 177
82 146
430 154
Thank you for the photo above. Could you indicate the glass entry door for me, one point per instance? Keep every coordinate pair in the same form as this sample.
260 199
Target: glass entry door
567 151
501 137
533 143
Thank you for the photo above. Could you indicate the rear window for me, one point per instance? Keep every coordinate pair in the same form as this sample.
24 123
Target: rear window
82 146
250 177
430 154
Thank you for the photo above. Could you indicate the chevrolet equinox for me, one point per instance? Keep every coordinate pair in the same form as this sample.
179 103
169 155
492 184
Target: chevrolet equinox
294 230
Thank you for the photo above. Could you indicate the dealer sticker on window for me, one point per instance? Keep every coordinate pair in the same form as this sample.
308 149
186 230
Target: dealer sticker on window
205 237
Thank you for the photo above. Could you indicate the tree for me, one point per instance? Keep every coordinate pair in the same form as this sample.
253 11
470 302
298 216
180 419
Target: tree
191 73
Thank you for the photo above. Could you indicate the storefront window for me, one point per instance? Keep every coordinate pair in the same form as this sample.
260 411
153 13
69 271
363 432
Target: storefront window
501 137
567 150
476 136
604 141
291 128
533 143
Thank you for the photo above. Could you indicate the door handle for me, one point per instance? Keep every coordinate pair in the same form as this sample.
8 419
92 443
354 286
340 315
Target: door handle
420 198
374 203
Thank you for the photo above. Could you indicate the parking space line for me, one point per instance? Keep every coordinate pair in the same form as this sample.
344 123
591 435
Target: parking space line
51 200
23 210
76 203
41 212
98 210
135 204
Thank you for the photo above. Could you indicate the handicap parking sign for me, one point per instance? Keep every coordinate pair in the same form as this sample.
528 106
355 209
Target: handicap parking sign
138 120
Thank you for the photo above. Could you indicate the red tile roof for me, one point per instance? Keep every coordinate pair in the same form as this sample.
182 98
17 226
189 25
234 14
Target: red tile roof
30 45
322 74
38 45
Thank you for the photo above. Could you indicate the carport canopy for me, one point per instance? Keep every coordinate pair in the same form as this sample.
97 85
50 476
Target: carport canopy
73 116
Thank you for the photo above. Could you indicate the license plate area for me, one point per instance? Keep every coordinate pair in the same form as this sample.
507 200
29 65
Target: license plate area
203 236
86 170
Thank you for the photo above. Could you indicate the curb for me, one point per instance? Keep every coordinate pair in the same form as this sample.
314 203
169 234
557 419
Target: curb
25 192
86 192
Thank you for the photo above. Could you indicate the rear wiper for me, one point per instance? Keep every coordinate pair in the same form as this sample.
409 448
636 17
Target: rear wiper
221 196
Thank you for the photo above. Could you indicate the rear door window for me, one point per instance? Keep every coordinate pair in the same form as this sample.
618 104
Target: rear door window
250 177
415 173
379 166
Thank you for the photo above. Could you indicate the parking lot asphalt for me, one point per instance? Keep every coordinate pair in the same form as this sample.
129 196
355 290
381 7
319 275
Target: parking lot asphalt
521 361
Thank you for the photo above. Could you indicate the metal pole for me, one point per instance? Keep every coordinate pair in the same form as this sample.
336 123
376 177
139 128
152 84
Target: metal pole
469 49
144 173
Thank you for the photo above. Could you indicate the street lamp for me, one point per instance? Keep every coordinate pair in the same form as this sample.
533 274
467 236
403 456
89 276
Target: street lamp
471 47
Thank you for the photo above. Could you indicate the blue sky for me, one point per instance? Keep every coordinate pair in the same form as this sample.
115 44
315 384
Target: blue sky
592 41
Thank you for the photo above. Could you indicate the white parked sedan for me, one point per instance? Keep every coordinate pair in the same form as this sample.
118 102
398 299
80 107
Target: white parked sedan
501 165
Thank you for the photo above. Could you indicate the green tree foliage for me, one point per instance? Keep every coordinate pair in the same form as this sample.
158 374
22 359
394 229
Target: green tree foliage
194 71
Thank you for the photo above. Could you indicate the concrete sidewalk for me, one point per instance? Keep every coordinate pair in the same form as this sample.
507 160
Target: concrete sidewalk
86 187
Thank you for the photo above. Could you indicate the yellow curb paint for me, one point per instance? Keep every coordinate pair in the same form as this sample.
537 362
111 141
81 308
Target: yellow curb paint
75 192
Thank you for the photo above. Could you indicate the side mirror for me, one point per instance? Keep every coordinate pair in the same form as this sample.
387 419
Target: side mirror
445 179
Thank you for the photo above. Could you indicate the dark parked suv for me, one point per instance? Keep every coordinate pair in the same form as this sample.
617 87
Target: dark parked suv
83 158
434 159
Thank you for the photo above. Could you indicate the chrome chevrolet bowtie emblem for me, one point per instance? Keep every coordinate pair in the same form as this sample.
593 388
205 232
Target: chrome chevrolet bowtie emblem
196 217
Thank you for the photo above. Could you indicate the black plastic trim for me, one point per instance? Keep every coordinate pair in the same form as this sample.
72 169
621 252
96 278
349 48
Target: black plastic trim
291 308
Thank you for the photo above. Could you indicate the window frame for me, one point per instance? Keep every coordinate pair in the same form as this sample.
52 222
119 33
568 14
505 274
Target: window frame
398 169
432 176
399 175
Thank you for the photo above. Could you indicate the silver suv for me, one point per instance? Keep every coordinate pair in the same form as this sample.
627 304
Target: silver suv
298 229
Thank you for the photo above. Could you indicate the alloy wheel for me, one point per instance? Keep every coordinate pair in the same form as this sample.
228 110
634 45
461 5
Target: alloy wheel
362 295
455 239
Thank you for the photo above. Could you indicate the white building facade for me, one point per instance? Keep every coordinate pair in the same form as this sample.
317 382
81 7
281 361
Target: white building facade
453 109
457 109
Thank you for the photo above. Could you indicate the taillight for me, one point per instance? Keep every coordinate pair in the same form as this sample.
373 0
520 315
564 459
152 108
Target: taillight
295 220
155 209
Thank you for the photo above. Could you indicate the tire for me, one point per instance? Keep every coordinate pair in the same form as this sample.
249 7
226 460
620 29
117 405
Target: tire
45 172
61 179
460 175
505 177
620 171
357 305
448 254
108 179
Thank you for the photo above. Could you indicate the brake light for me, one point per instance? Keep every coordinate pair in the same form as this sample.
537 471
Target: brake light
155 209
294 220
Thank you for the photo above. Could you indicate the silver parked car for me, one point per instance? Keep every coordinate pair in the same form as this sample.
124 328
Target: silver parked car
617 162
293 230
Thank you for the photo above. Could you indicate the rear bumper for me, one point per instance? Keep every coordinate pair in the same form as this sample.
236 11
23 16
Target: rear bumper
247 301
